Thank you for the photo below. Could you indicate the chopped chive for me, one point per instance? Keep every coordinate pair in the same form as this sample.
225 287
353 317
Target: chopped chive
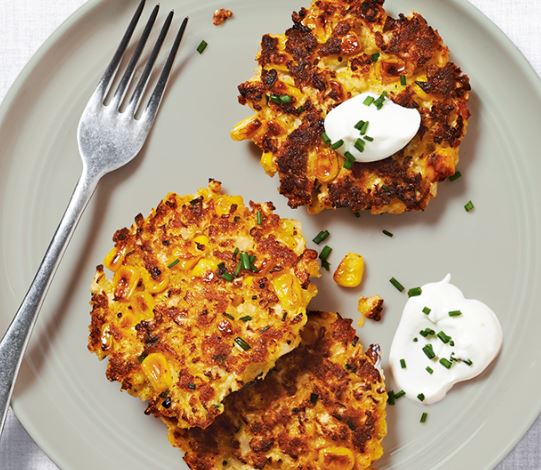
243 344
429 351
237 269
285 99
423 417
368 100
364 128
415 340
280 99
389 234
446 363
378 103
455 176
174 263
390 397
374 57
429 370
321 236
427 332
258 217
325 253
359 125
245 260
252 265
368 138
325 138
227 276
397 284
349 159
414 292
421 397
228 315
445 338
468 362
325 265
451 343
202 46
403 363
359 145
399 394
403 80
245 318
455 313
337 144
468 206
313 398
235 253
426 310
265 328
191 386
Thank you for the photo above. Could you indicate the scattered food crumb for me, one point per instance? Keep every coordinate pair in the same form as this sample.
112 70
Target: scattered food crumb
370 307
220 16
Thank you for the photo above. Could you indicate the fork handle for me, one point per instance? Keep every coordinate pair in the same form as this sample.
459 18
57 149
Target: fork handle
15 340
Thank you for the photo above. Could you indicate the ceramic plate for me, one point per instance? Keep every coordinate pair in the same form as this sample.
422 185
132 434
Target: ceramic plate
62 397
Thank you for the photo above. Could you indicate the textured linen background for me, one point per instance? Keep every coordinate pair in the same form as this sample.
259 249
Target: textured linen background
25 24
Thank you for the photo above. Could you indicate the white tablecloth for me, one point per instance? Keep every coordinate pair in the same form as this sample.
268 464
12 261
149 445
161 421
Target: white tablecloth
25 24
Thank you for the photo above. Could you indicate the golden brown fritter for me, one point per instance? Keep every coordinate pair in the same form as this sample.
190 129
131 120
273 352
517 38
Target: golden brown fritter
322 407
206 294
335 50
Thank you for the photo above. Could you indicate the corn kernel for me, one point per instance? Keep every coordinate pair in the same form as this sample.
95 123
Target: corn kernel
223 204
125 281
326 166
113 259
201 240
350 271
268 163
244 129
141 306
204 266
156 370
336 458
289 291
188 263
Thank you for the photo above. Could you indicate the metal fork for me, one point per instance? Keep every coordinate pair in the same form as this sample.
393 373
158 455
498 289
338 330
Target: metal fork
108 139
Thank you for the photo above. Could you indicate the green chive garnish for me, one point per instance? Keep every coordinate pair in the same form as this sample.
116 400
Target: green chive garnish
265 328
429 370
399 394
349 160
455 313
321 236
174 263
421 397
325 265
455 176
325 253
237 269
378 103
397 284
451 343
245 260
426 310
415 340
389 234
258 217
429 351
390 397
403 80
235 253
423 417
228 315
364 128
441 335
469 206
427 332
374 57
202 46
445 363
337 144
414 292
280 99
359 125
191 386
368 100
313 398
368 138
227 276
243 344
245 318
403 363
325 138
359 145
469 362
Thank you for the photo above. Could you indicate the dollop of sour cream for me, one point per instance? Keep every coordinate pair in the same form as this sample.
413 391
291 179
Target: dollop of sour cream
391 127
472 337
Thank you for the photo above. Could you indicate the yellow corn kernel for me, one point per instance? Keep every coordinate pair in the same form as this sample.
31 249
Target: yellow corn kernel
204 266
350 271
245 128
156 370
188 263
201 240
113 259
289 233
156 287
326 165
222 206
247 280
141 306
289 291
336 458
125 281
268 163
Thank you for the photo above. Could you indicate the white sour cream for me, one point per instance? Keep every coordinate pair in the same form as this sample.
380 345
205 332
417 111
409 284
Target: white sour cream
476 333
391 127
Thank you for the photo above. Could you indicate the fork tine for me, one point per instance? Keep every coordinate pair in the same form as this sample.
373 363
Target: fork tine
140 88
113 65
117 100
157 94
